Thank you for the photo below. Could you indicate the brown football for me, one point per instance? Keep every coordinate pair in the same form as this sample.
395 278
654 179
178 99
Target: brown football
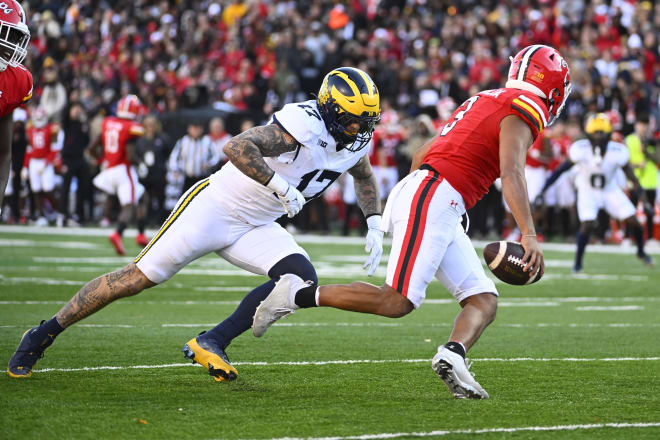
504 259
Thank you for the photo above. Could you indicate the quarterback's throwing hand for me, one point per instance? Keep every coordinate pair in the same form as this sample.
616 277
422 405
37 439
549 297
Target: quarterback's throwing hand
374 244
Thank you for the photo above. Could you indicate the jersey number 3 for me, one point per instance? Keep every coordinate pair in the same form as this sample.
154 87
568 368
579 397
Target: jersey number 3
447 128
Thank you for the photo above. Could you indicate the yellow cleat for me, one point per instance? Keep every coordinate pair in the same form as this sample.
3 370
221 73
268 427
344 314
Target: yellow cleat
211 357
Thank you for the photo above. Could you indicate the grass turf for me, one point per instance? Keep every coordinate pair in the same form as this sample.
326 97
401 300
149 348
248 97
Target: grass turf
543 321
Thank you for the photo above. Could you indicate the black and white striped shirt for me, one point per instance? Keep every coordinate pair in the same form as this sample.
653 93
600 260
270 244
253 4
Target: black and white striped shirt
193 157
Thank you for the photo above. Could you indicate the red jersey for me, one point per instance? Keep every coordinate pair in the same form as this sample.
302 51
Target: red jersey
115 135
467 150
560 147
42 142
534 154
15 88
385 144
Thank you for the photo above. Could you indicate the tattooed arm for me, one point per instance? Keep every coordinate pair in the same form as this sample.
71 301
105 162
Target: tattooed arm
247 150
366 187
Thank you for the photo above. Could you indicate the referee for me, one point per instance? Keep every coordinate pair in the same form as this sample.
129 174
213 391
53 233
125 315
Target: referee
193 156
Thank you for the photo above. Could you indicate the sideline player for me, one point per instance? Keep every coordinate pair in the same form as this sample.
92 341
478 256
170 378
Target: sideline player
598 159
45 142
119 177
488 136
15 80
273 170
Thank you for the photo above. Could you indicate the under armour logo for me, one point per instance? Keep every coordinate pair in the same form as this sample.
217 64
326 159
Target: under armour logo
453 204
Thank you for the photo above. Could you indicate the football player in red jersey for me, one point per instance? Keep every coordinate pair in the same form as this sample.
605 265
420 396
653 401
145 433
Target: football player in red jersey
487 137
15 80
42 157
119 177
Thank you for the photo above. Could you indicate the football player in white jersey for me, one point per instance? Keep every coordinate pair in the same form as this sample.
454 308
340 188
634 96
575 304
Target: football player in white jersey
598 160
273 169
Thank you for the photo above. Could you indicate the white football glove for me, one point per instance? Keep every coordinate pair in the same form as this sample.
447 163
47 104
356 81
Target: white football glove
374 244
292 199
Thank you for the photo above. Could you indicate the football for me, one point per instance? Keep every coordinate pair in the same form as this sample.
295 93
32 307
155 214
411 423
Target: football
504 259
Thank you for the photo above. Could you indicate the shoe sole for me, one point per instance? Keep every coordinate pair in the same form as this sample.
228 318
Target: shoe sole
218 374
446 372
21 376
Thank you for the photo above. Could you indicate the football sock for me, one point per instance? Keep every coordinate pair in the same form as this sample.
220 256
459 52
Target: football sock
121 226
306 297
638 234
241 320
582 240
141 225
50 327
456 347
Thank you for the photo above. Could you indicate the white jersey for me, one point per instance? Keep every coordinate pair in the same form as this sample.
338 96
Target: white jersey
594 170
311 168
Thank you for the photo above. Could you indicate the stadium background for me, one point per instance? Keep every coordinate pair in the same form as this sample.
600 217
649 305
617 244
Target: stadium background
189 61
573 356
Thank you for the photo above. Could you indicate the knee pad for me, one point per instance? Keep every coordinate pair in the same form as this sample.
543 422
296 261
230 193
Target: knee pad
296 264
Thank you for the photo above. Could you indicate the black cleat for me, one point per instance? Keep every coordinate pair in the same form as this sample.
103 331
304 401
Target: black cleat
211 357
29 351
646 259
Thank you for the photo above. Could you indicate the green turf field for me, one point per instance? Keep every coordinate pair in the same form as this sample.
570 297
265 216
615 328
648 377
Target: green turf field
566 351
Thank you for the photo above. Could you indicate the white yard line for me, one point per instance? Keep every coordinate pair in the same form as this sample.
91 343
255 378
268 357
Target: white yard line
442 432
350 362
50 244
652 248
511 302
366 324
608 308
324 270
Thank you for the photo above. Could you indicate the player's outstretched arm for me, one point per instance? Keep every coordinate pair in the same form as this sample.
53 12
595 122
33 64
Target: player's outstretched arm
247 150
515 139
366 191
366 187
6 124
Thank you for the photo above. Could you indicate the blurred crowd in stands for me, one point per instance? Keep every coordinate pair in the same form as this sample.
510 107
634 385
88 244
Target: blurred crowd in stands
248 58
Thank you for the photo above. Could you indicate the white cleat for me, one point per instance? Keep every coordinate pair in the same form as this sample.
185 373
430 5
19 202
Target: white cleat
454 371
278 304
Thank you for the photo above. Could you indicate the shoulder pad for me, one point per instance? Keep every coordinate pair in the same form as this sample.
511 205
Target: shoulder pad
301 120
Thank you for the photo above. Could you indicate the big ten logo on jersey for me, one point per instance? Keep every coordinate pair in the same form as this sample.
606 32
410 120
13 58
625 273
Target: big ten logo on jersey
322 143
5 8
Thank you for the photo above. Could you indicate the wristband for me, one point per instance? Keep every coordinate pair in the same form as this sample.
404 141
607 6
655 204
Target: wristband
373 221
278 184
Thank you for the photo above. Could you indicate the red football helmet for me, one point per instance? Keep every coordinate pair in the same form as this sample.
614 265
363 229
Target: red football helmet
14 34
129 107
542 70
